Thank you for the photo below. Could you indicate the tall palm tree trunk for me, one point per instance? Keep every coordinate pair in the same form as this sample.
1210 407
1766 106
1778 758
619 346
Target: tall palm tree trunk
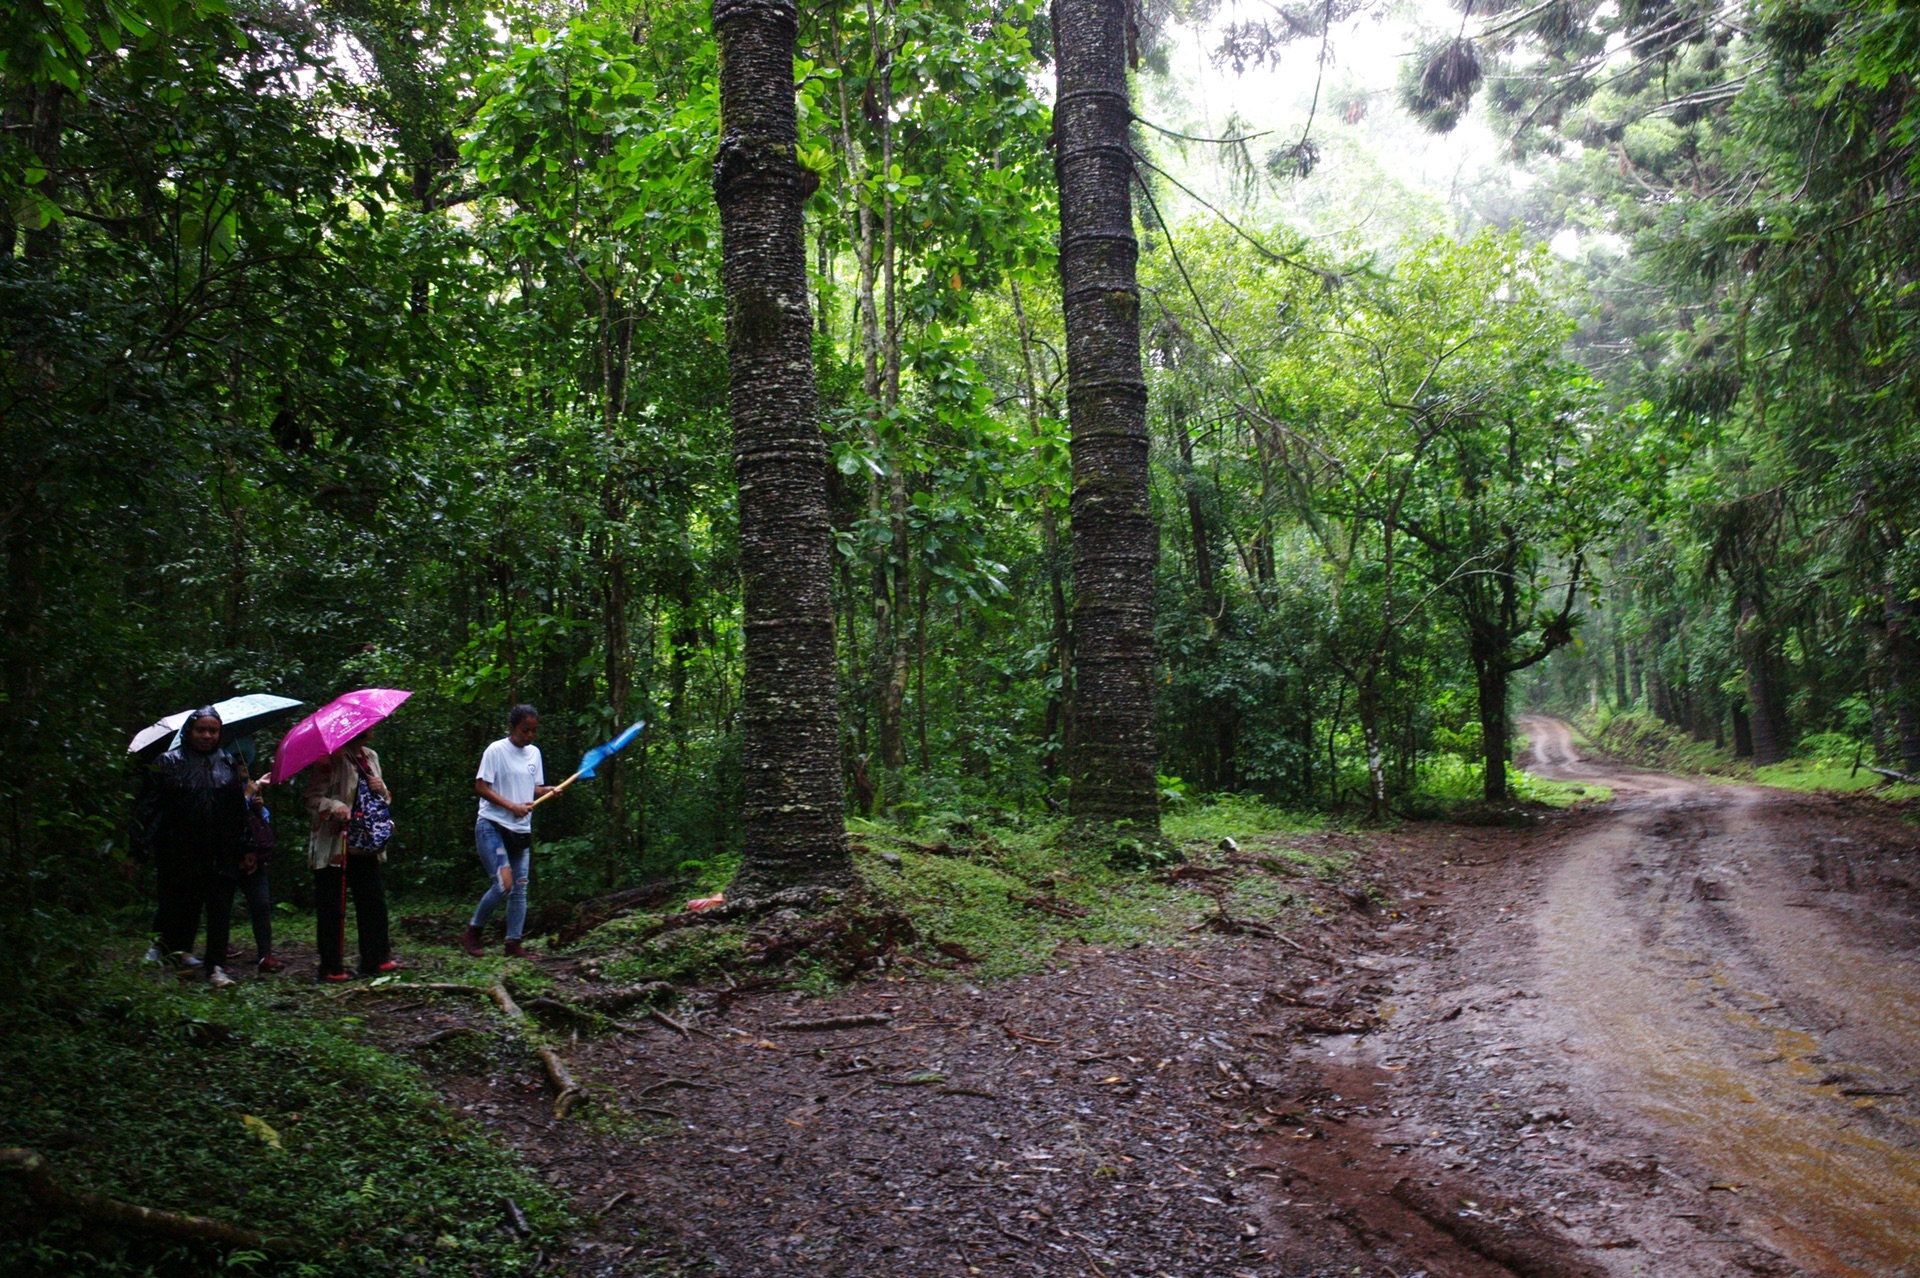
1112 752
789 715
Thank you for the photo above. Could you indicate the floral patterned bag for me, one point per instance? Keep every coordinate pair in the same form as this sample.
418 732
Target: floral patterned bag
371 824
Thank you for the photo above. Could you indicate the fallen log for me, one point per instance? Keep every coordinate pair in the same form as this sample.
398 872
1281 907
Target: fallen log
1899 778
568 1088
837 1022
38 1179
557 1072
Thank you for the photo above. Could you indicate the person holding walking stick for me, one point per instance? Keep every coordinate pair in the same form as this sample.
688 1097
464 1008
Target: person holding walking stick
511 779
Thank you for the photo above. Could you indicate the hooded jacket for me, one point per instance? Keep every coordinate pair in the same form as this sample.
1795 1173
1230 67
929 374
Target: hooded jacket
193 812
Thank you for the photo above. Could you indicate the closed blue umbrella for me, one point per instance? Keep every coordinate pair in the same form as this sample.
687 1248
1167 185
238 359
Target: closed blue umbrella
594 758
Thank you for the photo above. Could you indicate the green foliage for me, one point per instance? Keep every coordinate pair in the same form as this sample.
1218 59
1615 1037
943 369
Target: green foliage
261 1106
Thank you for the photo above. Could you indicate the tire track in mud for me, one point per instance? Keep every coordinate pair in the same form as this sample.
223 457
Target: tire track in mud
1771 1053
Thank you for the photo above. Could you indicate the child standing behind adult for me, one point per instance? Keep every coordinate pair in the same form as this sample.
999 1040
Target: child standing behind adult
511 777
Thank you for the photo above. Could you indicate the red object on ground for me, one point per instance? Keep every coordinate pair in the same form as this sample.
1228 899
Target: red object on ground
700 903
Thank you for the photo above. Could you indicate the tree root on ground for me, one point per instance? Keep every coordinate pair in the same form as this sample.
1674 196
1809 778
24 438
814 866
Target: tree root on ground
568 1088
748 907
99 1209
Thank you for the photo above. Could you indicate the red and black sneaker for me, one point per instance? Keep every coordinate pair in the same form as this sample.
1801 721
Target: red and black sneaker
390 965
334 978
268 963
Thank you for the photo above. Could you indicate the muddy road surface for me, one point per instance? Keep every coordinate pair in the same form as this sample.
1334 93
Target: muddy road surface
1676 1034
1731 973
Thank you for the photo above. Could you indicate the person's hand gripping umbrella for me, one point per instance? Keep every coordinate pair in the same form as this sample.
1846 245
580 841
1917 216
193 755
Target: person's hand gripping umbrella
594 758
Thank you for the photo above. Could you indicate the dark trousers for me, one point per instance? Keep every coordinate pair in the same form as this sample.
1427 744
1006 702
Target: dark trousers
360 876
259 898
182 897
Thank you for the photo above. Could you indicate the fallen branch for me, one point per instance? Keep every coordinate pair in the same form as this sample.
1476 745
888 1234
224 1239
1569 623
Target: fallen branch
837 1022
1028 1038
669 1022
546 1004
614 1001
441 1036
557 1072
1049 905
1227 925
1900 778
38 1179
569 1089
665 1083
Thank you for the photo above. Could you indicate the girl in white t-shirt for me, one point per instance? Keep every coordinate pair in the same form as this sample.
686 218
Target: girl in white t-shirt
510 778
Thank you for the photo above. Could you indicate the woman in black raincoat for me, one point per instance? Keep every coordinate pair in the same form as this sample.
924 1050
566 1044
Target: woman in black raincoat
194 815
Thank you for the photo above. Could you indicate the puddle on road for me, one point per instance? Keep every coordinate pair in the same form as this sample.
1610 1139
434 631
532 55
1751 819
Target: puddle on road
1840 1186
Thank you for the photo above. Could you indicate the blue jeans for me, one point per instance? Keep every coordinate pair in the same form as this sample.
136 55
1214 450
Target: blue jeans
487 841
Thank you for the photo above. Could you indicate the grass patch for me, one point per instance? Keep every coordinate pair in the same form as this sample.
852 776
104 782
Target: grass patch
1529 788
1814 774
1823 761
1006 896
141 1086
1451 783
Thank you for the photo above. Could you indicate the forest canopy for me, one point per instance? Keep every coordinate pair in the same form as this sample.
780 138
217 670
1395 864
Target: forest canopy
385 343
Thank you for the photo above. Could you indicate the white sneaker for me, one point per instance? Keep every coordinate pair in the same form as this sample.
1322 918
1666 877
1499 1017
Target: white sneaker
153 957
189 962
219 978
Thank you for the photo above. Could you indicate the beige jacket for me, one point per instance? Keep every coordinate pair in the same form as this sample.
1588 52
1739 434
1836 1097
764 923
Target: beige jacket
332 785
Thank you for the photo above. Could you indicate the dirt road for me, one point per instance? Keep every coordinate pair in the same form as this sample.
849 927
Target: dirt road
1727 977
1674 1035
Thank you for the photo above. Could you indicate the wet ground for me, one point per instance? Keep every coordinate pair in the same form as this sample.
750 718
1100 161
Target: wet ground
1675 1034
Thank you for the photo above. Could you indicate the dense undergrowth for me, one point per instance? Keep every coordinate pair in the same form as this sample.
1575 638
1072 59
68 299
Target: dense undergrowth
260 1106
1829 761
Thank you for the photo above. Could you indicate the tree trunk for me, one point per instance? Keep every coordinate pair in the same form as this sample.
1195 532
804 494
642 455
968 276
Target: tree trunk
793 823
1115 545
1367 707
1903 676
619 672
1768 725
1059 700
44 129
1619 673
1197 523
1742 733
1491 683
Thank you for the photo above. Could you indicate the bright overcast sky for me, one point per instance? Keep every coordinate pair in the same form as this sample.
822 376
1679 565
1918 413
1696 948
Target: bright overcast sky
1364 59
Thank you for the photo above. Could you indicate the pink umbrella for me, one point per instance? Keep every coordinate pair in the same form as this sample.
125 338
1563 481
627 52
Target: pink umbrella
332 726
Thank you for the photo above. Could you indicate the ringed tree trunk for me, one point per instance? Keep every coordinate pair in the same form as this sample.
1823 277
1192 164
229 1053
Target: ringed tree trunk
1113 753
793 824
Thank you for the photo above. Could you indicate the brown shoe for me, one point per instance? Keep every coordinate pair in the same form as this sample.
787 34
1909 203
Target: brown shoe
471 943
517 950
